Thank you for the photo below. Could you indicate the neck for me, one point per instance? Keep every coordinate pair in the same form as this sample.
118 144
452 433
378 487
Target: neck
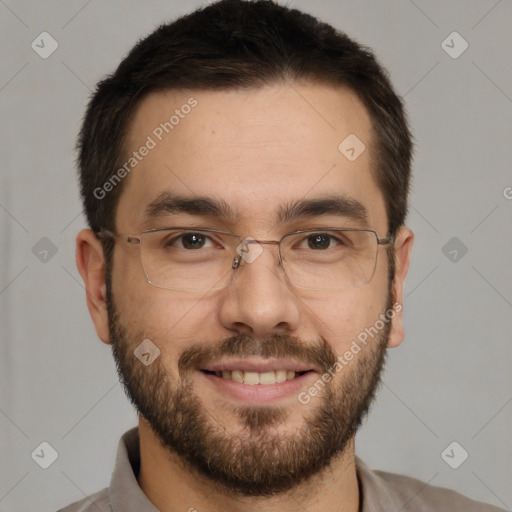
170 486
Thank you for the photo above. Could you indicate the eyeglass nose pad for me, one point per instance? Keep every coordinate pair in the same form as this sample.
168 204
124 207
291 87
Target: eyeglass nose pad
236 263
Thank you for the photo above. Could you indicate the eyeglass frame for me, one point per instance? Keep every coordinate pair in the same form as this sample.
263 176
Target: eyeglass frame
136 239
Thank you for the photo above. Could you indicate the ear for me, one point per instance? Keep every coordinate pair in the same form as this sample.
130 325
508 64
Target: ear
402 248
90 262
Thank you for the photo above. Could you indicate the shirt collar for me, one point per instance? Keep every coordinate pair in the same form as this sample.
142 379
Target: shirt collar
124 491
374 493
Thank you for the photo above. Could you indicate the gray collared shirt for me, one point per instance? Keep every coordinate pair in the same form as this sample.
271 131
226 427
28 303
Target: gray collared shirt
381 492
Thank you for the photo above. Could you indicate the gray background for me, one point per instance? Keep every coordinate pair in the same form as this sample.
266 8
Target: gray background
451 378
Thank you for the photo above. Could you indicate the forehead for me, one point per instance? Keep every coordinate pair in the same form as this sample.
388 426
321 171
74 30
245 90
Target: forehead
253 150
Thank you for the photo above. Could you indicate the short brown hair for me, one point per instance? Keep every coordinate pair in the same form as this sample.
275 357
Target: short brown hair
241 44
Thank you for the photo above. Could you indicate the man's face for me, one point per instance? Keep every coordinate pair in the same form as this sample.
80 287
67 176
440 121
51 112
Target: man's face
258 151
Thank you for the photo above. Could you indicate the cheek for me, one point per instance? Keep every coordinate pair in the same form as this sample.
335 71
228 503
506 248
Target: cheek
339 318
169 319
128 286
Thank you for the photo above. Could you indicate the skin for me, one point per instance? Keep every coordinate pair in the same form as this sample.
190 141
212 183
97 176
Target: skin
256 149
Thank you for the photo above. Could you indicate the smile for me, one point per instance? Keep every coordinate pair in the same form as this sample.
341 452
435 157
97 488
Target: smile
253 378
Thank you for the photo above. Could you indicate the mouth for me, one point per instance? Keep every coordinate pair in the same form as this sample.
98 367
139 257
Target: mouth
254 380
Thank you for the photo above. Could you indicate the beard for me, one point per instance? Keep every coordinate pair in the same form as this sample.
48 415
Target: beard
257 460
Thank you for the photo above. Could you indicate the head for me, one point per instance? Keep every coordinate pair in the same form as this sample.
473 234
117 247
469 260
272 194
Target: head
253 119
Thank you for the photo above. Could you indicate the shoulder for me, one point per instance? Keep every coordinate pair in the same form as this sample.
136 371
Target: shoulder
98 502
386 491
418 495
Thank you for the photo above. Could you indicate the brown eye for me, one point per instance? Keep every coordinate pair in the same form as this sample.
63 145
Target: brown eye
319 241
193 240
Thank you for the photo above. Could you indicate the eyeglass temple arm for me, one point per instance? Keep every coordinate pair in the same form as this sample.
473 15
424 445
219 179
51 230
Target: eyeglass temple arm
105 233
386 241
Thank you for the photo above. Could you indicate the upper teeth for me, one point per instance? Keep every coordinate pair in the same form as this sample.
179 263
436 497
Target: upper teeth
253 378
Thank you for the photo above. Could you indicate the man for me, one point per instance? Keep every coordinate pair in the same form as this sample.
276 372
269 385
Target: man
245 174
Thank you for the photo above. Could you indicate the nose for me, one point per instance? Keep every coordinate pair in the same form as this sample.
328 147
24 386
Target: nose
258 300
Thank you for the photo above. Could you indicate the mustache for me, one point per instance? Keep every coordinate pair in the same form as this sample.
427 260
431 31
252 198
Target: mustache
277 346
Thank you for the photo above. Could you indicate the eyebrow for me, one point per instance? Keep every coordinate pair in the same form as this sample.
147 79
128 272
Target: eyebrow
205 206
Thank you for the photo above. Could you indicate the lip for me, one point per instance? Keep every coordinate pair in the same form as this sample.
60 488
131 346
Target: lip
258 394
256 364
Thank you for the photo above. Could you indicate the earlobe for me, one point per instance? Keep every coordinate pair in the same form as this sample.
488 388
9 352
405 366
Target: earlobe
403 248
90 262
